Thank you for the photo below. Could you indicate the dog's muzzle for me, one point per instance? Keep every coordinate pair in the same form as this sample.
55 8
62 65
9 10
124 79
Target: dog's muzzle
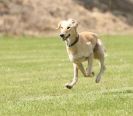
63 36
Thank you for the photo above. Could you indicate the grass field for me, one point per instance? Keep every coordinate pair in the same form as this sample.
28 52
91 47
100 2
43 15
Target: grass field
33 72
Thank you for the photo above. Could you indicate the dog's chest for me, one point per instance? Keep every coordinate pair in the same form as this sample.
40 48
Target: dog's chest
80 52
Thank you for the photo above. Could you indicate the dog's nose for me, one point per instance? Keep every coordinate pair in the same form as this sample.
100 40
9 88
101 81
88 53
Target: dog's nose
62 35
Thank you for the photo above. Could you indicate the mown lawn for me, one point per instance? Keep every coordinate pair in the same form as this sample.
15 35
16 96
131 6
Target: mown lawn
33 72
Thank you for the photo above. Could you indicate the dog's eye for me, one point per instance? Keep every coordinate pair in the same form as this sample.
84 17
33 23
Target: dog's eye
68 27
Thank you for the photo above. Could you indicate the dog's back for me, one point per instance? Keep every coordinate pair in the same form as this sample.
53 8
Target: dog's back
95 41
89 37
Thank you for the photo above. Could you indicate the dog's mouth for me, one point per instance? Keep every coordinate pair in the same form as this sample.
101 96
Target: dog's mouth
65 38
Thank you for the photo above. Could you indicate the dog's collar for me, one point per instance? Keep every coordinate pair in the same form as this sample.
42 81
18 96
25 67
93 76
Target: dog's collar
72 44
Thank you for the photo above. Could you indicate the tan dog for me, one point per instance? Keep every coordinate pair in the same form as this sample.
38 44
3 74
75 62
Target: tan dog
81 47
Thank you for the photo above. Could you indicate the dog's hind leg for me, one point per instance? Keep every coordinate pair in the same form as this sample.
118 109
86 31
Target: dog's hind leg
81 68
99 54
75 78
90 65
102 69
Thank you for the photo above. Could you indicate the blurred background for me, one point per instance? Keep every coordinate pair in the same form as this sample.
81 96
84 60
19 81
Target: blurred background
34 65
40 17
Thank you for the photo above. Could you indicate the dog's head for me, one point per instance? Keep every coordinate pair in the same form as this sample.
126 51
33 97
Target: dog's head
67 28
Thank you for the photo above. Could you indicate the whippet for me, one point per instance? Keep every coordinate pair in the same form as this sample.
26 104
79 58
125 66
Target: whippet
81 47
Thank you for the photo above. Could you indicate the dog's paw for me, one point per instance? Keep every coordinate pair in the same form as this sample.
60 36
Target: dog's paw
90 75
68 86
93 74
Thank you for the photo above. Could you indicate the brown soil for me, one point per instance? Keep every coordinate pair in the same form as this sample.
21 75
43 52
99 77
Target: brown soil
39 17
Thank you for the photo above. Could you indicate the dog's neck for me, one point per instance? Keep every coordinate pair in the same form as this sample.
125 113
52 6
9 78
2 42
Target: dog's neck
72 40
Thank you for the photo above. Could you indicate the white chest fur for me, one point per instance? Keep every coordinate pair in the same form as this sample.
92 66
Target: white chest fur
80 52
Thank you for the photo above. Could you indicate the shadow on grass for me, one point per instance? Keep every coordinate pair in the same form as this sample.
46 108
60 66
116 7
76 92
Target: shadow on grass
118 91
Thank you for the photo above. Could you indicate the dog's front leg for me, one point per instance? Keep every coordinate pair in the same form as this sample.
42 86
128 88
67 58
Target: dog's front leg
75 78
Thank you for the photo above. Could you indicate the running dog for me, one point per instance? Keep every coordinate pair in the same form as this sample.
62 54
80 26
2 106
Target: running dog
84 46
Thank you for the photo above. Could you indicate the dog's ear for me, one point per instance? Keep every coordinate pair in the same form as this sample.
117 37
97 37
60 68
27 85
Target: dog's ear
74 22
59 25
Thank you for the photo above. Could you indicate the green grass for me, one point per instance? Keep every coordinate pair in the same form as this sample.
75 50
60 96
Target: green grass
33 72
